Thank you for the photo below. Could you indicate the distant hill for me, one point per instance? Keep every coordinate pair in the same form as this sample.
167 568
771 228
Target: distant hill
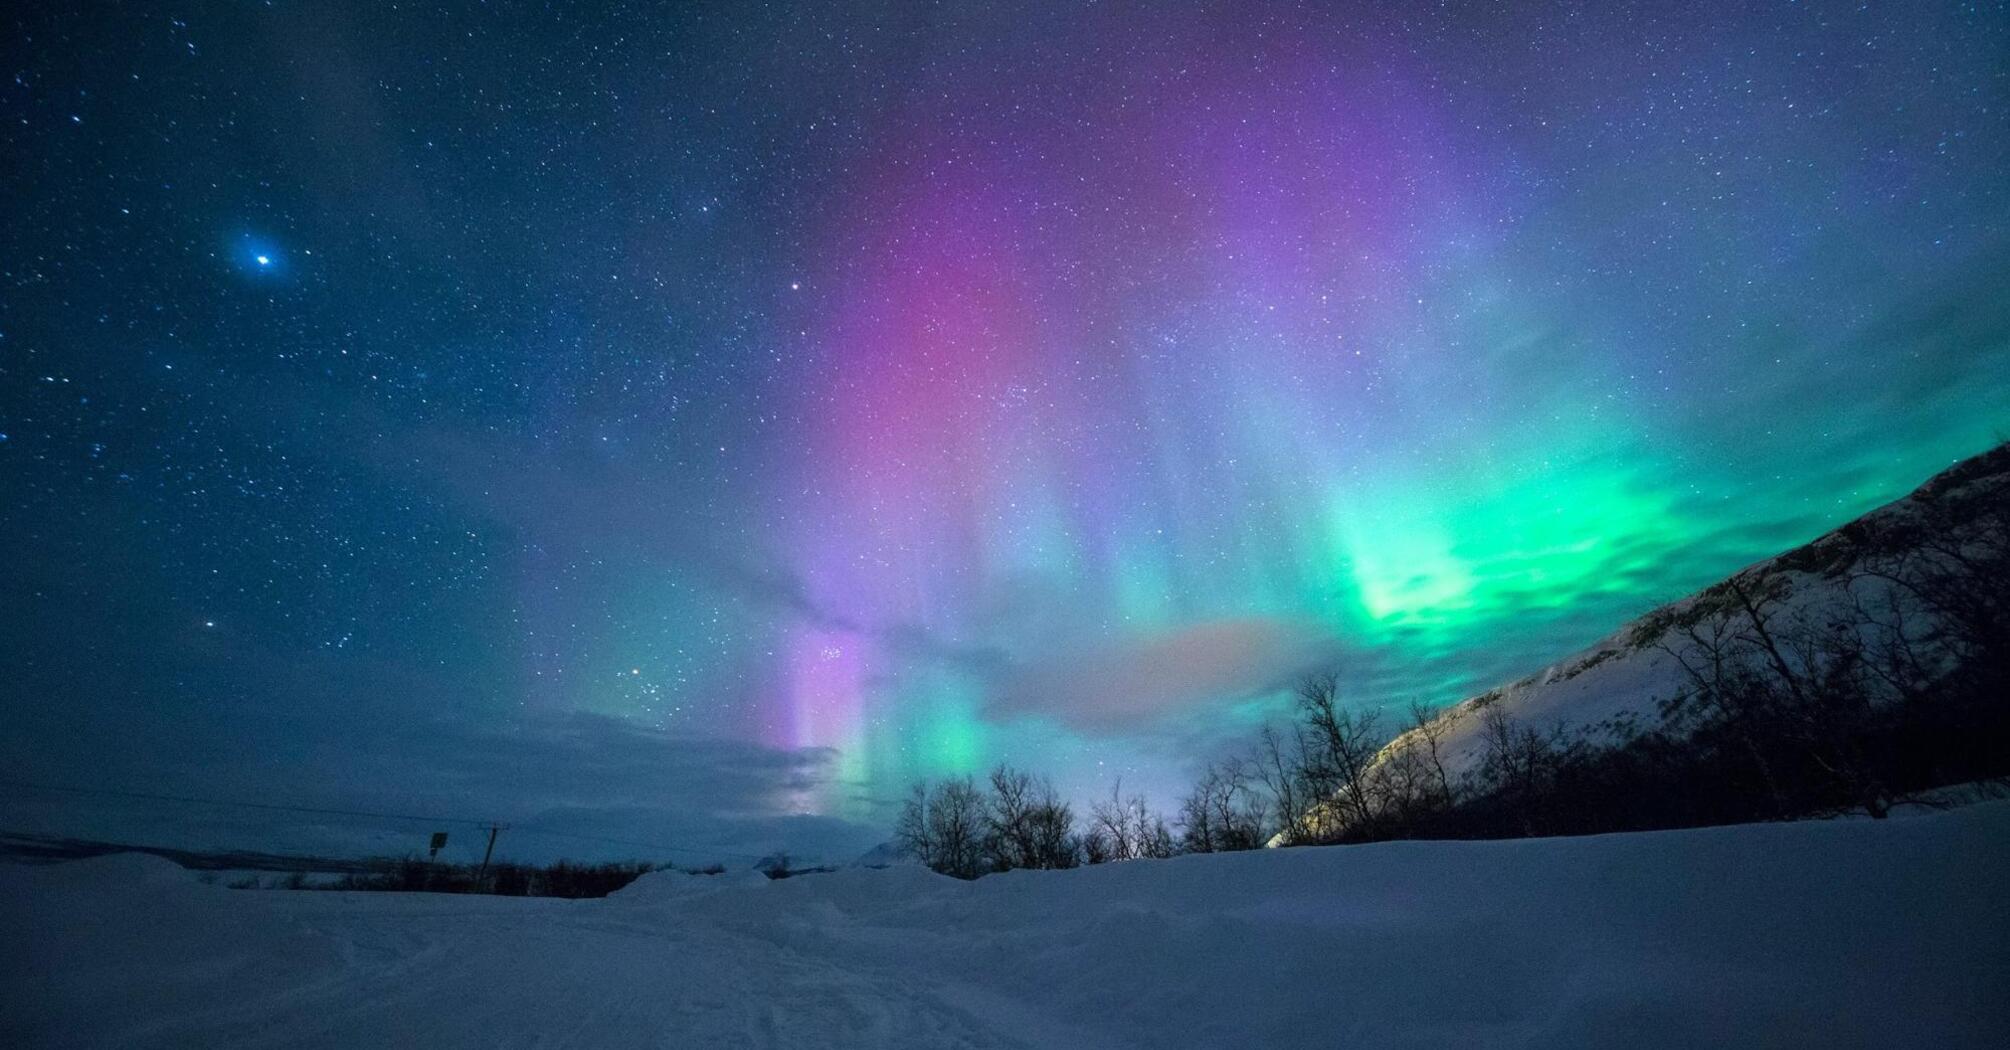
23 848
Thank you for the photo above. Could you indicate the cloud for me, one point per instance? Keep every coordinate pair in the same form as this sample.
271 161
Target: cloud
576 785
581 777
1116 687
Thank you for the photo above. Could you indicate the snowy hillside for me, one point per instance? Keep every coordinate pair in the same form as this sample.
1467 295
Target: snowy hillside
1626 675
1836 934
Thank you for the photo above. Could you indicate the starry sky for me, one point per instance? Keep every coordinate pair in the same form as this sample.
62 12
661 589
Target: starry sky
693 422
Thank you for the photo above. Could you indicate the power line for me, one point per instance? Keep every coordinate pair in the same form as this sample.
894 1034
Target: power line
191 800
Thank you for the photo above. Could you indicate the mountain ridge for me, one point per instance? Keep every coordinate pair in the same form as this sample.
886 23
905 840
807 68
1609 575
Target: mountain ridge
1620 680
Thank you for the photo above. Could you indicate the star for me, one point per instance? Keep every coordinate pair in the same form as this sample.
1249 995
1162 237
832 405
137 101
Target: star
1302 350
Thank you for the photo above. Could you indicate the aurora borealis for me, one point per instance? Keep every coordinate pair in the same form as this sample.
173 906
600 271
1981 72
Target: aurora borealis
886 391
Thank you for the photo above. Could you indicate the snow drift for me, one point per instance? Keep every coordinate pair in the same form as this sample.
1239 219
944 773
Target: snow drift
1834 934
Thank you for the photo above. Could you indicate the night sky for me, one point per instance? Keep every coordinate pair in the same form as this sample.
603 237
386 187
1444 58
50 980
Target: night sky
690 423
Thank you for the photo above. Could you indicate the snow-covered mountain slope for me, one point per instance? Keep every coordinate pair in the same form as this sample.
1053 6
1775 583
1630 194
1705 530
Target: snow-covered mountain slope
1625 676
1835 934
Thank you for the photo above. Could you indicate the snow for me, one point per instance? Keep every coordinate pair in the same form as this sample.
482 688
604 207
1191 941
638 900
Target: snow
1833 934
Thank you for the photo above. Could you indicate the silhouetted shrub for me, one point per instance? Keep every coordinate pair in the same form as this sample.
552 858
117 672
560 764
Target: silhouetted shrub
562 879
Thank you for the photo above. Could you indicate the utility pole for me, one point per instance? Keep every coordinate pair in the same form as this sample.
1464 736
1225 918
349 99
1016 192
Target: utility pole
482 875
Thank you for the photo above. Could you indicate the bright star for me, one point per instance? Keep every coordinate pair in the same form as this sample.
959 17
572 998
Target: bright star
265 260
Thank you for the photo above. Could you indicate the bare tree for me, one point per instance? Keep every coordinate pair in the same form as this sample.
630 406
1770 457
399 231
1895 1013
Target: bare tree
1008 821
1839 712
1223 812
1198 833
1128 829
1154 839
1027 824
1518 764
1399 784
1795 690
1408 781
943 826
911 831
1427 735
1096 845
1110 826
1280 768
1341 747
1055 844
1951 563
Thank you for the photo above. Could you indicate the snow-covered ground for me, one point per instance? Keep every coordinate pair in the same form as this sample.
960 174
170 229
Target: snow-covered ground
1834 934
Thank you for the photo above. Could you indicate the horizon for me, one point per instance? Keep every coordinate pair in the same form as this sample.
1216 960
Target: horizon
783 406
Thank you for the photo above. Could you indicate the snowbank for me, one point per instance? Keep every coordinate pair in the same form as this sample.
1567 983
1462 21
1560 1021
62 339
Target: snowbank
1836 934
670 884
